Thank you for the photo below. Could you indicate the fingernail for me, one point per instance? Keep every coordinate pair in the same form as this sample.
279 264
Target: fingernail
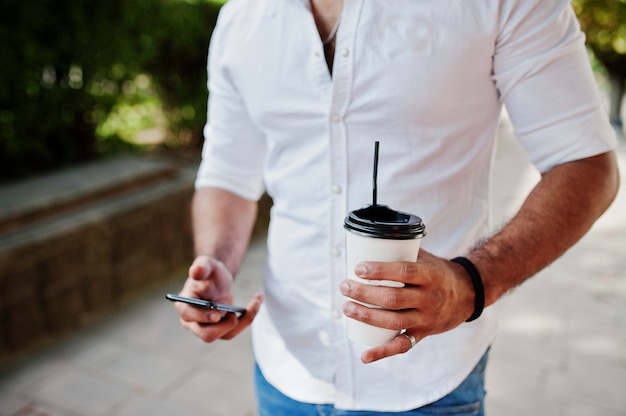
348 308
366 359
360 269
215 317
344 287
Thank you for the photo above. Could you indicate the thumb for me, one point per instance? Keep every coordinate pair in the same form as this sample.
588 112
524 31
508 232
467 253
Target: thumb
201 268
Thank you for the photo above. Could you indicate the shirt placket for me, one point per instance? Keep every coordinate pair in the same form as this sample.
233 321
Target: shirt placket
342 83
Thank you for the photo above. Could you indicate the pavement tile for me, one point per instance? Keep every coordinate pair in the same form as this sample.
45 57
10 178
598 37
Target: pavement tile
222 384
506 378
143 372
597 389
40 410
25 376
10 405
576 408
76 392
523 406
157 330
92 354
598 350
151 406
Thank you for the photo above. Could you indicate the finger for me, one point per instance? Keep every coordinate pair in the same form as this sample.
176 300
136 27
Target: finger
385 297
200 268
244 321
398 320
190 313
209 279
398 345
407 272
225 328
213 331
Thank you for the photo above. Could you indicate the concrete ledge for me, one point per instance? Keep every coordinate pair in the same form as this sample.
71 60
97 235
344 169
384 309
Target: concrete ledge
44 197
75 244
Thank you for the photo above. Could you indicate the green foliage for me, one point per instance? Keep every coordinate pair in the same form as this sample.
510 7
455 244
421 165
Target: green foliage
604 23
78 77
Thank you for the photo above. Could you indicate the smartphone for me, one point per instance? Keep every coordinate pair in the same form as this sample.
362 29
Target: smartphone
201 303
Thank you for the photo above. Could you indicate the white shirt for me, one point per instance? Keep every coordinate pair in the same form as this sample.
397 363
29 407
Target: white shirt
425 78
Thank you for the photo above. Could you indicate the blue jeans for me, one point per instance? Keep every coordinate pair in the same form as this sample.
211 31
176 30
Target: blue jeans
466 400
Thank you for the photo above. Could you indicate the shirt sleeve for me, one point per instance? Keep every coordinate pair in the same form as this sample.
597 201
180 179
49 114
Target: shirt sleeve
543 75
233 152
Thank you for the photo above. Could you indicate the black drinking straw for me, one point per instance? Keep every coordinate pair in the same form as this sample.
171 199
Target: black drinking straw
375 174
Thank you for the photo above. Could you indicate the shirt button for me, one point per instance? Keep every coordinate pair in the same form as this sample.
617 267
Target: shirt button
336 189
335 252
336 314
345 52
318 55
336 118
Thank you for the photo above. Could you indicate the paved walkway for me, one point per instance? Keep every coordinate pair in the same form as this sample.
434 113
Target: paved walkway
561 349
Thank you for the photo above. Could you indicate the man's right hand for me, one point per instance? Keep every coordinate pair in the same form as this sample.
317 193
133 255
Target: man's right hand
209 279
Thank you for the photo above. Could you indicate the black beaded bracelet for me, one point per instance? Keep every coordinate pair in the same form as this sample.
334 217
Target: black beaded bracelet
477 282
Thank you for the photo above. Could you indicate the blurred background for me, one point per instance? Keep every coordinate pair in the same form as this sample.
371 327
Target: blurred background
102 106
84 80
101 113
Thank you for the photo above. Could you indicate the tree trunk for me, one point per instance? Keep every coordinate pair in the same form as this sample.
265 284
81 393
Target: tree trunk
617 80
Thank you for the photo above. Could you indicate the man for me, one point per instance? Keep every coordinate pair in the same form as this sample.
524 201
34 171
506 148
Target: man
299 91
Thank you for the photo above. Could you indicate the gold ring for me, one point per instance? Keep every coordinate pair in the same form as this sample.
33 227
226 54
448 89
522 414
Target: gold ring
411 339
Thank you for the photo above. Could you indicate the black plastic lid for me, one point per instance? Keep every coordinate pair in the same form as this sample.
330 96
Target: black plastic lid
380 221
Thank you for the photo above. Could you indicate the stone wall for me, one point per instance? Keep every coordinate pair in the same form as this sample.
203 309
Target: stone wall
75 244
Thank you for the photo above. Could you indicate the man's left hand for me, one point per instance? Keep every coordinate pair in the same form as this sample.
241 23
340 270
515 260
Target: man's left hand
438 296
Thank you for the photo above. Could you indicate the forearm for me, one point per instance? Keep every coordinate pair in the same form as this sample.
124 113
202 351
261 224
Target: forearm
556 214
222 225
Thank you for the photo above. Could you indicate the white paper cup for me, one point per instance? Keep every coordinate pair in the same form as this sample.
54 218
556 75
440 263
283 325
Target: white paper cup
378 233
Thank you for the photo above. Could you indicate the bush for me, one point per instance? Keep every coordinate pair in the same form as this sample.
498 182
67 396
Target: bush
604 23
68 64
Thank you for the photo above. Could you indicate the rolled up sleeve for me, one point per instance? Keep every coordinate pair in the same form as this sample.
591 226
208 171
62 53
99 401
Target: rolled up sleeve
233 153
544 78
